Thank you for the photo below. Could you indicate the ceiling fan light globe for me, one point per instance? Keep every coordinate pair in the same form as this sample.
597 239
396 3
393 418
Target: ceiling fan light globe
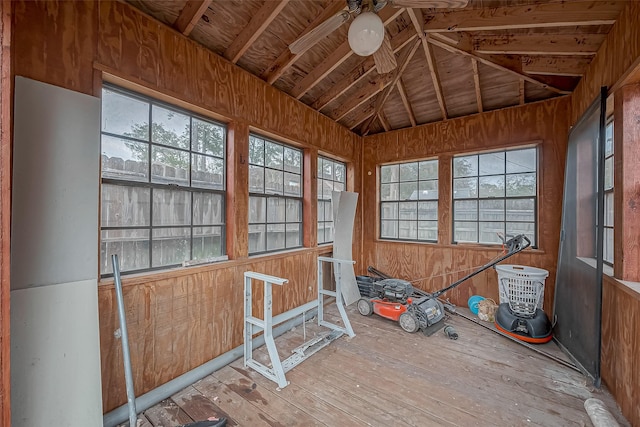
366 34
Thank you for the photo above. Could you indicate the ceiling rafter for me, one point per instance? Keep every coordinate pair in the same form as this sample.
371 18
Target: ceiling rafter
337 57
190 15
521 94
476 84
433 39
538 44
404 60
528 16
383 121
418 23
286 59
362 95
406 103
555 65
259 22
361 70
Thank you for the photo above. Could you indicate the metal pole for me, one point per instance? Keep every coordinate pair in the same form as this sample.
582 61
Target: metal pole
123 335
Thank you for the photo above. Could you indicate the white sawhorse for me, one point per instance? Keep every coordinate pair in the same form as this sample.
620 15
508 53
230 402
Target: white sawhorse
253 325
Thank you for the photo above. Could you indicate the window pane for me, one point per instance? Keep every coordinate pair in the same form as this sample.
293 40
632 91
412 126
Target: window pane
428 170
292 184
389 211
124 115
389 229
428 190
256 179
207 209
273 155
409 172
464 188
169 166
338 186
491 186
207 242
273 181
294 210
257 238
489 232
170 246
465 166
465 210
341 173
276 209
521 210
389 192
409 191
523 184
491 210
321 234
320 206
171 207
428 211
428 230
257 209
608 245
256 150
131 246
408 230
521 161
465 231
207 172
276 238
390 173
526 228
294 235
125 159
608 173
408 210
608 209
328 212
124 206
170 128
327 170
208 138
292 160
608 147
491 163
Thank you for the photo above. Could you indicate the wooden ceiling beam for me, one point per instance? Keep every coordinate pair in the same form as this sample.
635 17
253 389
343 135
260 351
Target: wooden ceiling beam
190 15
521 95
337 57
555 65
539 44
476 83
383 121
259 22
405 102
493 62
418 23
403 62
286 59
362 95
361 70
529 16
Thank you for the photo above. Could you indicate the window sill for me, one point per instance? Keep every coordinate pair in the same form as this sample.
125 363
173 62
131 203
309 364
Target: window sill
469 246
632 288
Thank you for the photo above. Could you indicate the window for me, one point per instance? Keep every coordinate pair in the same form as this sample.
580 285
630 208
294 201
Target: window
608 194
495 193
409 201
332 176
275 196
163 182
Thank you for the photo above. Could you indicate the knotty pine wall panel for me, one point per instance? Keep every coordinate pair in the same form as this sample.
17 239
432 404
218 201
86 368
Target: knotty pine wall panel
181 318
437 265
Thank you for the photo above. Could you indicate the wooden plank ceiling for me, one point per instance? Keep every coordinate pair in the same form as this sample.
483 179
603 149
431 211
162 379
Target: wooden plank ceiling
450 62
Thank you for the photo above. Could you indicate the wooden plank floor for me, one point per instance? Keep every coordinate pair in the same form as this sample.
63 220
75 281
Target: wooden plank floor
386 377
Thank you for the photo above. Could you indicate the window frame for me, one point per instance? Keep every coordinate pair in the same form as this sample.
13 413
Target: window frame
320 179
398 201
152 186
609 191
505 198
273 195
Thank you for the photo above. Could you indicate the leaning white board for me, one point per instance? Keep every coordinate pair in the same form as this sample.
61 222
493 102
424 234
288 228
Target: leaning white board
344 213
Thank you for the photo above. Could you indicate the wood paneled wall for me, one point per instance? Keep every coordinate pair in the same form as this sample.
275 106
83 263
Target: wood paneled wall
617 57
182 318
6 97
544 123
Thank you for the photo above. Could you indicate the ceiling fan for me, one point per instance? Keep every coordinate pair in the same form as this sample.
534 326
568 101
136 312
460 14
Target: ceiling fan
367 35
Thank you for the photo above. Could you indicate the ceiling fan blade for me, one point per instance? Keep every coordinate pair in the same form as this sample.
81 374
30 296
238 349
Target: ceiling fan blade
384 57
307 41
430 4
